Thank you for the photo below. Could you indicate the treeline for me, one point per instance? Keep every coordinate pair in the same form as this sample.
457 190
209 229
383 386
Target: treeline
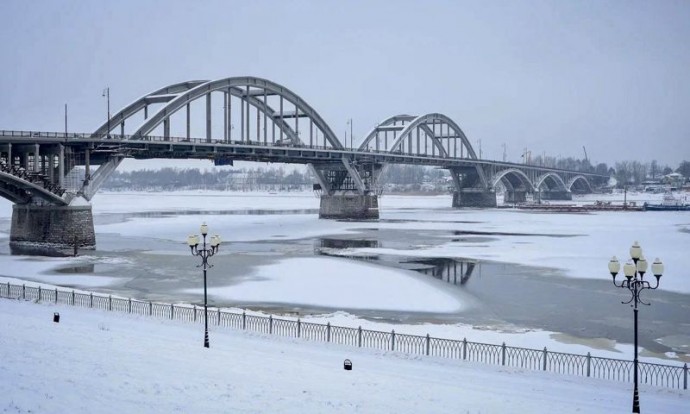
255 178
400 177
636 173
574 164
216 179
625 172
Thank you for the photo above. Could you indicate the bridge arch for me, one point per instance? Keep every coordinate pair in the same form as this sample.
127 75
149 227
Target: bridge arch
578 179
551 178
250 90
514 177
21 191
162 95
413 134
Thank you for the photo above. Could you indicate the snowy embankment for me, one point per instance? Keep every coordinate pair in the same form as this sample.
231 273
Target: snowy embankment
94 361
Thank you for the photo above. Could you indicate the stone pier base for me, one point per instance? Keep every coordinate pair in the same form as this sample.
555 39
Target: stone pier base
556 195
515 197
51 230
474 198
349 206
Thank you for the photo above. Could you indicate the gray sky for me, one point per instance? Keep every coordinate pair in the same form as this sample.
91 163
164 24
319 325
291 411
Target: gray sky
549 76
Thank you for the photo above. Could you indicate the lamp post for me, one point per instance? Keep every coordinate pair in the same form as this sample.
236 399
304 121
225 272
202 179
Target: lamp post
106 95
349 122
204 252
635 283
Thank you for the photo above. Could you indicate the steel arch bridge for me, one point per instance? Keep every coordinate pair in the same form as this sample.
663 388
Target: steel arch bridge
254 119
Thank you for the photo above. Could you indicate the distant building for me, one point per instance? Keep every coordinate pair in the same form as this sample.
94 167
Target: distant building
674 180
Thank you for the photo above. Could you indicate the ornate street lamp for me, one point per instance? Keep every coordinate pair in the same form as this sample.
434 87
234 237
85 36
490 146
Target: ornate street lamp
204 253
635 283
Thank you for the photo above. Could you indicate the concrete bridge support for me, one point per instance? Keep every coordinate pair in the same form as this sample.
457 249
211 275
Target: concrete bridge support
556 195
515 196
349 206
470 197
51 230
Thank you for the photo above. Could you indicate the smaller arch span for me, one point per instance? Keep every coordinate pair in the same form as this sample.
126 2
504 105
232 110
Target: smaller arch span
25 190
578 178
514 172
555 178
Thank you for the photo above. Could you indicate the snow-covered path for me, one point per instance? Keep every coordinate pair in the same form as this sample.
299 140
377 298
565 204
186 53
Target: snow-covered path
95 361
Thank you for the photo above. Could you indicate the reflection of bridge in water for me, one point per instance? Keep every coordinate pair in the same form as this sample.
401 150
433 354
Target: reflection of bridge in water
452 270
52 177
449 270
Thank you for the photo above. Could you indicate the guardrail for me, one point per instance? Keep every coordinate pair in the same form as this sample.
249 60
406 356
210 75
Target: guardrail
660 375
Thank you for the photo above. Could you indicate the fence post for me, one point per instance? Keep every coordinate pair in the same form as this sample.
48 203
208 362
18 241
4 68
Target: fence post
110 302
73 297
270 324
589 363
359 337
129 305
194 313
244 320
393 340
503 354
8 289
56 292
150 308
328 332
91 300
39 293
685 377
299 328
218 317
464 348
428 344
172 311
544 358
24 292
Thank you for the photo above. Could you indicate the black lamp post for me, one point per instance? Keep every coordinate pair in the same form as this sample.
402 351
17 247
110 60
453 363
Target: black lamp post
635 283
204 253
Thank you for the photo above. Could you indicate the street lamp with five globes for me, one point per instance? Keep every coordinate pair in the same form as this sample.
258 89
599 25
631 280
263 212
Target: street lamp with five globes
634 281
204 252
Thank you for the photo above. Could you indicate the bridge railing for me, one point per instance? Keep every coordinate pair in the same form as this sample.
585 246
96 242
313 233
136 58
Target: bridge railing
184 140
161 139
660 375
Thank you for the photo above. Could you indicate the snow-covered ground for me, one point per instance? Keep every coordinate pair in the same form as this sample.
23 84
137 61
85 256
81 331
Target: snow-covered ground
106 362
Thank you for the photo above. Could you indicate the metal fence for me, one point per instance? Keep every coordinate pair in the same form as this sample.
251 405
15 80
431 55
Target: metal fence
670 376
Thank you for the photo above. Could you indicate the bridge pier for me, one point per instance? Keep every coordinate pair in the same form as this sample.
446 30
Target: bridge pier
470 197
51 230
556 195
515 197
349 206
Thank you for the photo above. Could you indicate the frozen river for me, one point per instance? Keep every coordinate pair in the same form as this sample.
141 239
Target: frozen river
535 278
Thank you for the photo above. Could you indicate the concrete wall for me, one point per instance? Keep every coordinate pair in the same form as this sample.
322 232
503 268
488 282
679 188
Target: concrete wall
474 198
349 206
51 230
515 197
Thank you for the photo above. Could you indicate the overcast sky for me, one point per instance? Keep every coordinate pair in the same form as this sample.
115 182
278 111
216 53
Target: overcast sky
549 76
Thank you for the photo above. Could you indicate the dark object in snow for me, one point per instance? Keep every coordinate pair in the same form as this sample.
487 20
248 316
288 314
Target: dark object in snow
56 317
347 365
